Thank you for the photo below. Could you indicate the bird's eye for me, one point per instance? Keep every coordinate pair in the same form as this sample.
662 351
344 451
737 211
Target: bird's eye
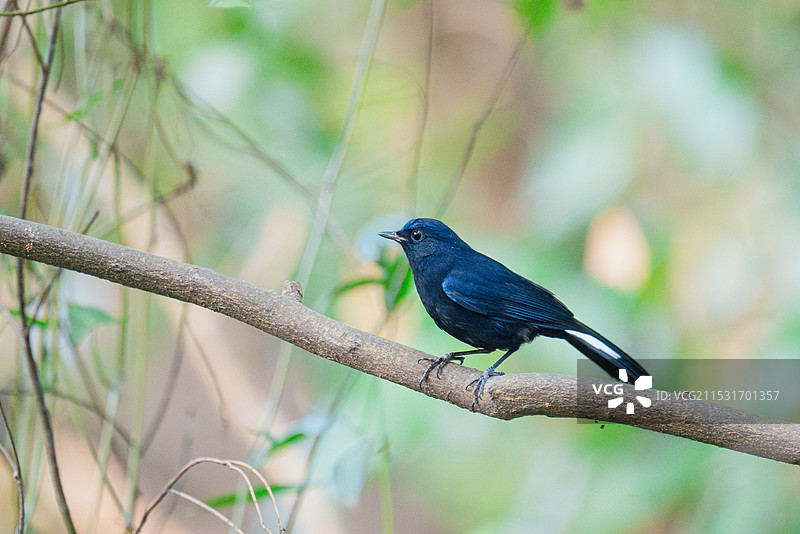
416 236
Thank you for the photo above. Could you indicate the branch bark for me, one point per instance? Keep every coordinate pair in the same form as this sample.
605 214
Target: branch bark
284 316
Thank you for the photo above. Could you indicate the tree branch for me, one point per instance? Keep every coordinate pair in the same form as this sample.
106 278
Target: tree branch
506 397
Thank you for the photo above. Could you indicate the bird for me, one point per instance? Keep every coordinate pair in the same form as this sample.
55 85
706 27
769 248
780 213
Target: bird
483 303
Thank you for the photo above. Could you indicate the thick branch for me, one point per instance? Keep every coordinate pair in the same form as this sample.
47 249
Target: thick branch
506 397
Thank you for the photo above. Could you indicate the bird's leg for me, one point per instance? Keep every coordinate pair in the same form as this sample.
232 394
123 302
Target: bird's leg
439 363
479 383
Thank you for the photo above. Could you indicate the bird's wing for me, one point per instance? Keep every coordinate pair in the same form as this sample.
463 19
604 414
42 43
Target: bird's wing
499 293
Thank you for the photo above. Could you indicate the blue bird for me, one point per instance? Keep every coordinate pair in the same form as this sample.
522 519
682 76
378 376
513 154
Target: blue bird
483 303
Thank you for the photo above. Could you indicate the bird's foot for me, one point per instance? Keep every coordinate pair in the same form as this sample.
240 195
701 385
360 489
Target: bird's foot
438 364
479 383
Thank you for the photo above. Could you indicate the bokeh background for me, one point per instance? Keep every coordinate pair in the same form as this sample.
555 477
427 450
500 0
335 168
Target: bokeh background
641 159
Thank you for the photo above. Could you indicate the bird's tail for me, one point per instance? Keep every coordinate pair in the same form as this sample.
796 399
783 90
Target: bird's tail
603 352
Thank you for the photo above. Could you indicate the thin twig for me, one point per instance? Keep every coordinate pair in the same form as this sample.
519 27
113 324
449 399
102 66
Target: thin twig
71 399
33 371
169 388
452 187
423 120
42 9
5 29
235 466
303 486
212 375
251 146
28 31
27 172
238 466
322 214
207 508
16 471
335 162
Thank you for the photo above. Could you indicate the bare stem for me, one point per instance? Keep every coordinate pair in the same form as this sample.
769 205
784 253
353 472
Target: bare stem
236 466
33 371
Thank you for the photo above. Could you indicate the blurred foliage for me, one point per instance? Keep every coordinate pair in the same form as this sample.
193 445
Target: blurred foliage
84 319
395 279
658 140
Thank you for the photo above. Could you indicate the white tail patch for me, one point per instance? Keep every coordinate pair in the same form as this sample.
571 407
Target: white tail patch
596 343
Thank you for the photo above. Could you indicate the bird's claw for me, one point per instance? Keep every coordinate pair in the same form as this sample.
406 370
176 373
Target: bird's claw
438 364
479 383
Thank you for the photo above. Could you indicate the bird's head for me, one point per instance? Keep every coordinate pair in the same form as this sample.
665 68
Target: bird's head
424 237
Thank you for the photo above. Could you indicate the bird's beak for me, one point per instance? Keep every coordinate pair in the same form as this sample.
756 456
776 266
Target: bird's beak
393 236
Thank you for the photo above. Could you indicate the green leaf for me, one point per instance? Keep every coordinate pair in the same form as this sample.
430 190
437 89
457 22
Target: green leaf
398 284
229 3
538 13
405 287
396 279
91 101
358 282
278 444
229 499
87 106
42 323
84 319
